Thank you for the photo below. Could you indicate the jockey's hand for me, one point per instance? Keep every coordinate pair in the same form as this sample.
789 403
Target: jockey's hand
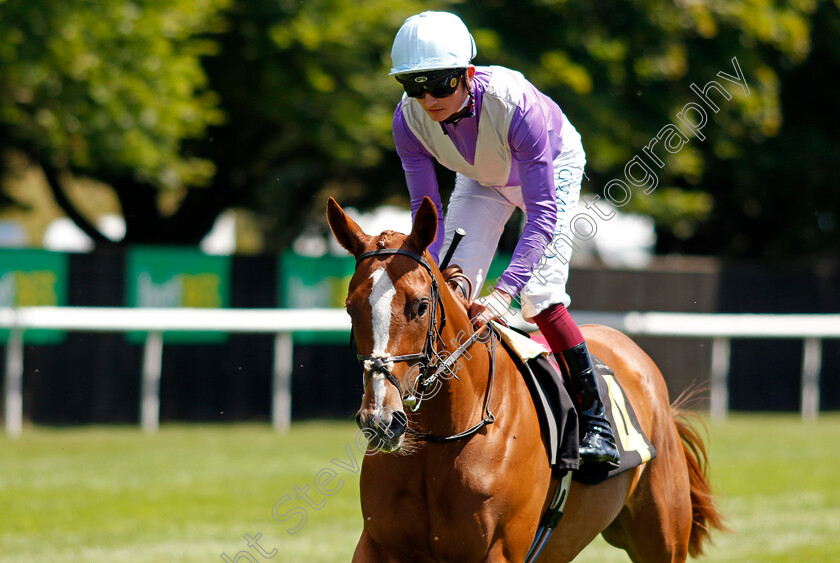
484 309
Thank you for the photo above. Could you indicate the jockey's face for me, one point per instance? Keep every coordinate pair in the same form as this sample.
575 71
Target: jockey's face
440 109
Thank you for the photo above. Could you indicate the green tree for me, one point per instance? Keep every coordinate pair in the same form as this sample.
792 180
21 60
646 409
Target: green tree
254 103
271 104
111 90
309 102
775 191
623 70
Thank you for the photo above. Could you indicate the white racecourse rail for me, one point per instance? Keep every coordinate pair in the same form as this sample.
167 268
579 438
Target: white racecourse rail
283 323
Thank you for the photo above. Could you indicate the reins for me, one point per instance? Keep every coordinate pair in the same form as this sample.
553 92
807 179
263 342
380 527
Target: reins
489 417
380 364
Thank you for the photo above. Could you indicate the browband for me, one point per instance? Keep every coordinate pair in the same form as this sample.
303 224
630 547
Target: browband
404 252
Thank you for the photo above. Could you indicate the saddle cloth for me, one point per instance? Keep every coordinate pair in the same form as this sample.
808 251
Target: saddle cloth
558 416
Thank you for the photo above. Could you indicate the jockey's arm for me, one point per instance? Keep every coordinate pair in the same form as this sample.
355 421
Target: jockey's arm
532 154
419 168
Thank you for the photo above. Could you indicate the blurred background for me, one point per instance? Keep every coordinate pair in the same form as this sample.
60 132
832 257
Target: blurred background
181 153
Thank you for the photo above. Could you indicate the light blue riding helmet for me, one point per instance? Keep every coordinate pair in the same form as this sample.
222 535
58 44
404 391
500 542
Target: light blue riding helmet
432 41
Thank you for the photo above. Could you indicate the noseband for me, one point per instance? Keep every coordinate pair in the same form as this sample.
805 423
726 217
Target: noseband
433 333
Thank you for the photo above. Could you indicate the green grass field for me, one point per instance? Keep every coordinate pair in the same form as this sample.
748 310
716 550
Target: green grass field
191 492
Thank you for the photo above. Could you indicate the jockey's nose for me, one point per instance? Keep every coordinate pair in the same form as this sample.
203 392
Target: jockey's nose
428 99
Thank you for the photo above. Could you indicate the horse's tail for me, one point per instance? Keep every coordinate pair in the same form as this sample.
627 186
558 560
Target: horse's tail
705 516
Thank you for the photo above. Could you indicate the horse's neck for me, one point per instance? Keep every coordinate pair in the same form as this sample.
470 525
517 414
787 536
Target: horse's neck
460 401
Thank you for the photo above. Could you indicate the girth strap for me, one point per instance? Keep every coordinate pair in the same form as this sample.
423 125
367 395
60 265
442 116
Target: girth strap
551 518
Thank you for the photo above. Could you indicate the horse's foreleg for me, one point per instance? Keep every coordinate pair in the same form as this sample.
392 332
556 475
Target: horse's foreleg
499 552
368 551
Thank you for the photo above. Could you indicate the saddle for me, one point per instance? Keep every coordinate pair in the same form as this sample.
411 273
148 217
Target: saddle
558 416
553 399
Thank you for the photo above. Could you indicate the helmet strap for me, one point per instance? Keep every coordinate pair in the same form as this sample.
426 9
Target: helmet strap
466 110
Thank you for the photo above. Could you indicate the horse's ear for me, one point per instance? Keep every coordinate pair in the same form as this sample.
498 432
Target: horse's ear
347 232
424 230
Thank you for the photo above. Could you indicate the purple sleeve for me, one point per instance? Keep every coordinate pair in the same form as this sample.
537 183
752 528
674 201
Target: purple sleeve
529 142
419 168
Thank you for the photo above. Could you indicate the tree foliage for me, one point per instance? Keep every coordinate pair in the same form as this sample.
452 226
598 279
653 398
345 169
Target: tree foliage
309 101
623 70
108 86
110 90
269 104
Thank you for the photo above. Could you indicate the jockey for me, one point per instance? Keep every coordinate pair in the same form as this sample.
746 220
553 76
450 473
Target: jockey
511 146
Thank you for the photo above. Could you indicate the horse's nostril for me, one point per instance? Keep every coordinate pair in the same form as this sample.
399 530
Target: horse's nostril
400 418
359 422
399 423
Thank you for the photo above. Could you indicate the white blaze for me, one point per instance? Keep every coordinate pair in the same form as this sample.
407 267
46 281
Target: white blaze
381 295
378 392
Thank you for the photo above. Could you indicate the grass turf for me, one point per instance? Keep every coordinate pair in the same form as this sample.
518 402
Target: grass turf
191 492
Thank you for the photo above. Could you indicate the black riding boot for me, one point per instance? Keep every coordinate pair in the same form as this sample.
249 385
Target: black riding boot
597 444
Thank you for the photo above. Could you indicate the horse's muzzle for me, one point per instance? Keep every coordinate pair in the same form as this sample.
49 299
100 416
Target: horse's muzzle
384 429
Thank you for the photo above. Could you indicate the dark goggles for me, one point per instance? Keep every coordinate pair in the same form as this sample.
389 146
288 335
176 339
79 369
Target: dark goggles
418 83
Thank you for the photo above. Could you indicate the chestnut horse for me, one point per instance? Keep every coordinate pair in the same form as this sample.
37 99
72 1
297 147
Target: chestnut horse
479 495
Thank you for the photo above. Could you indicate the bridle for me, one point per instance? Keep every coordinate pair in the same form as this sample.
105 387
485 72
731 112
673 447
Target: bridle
380 364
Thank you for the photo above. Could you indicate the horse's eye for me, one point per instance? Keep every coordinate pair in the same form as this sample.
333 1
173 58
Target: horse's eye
422 307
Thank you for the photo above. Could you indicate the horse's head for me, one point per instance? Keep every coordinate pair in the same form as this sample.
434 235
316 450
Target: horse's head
394 304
